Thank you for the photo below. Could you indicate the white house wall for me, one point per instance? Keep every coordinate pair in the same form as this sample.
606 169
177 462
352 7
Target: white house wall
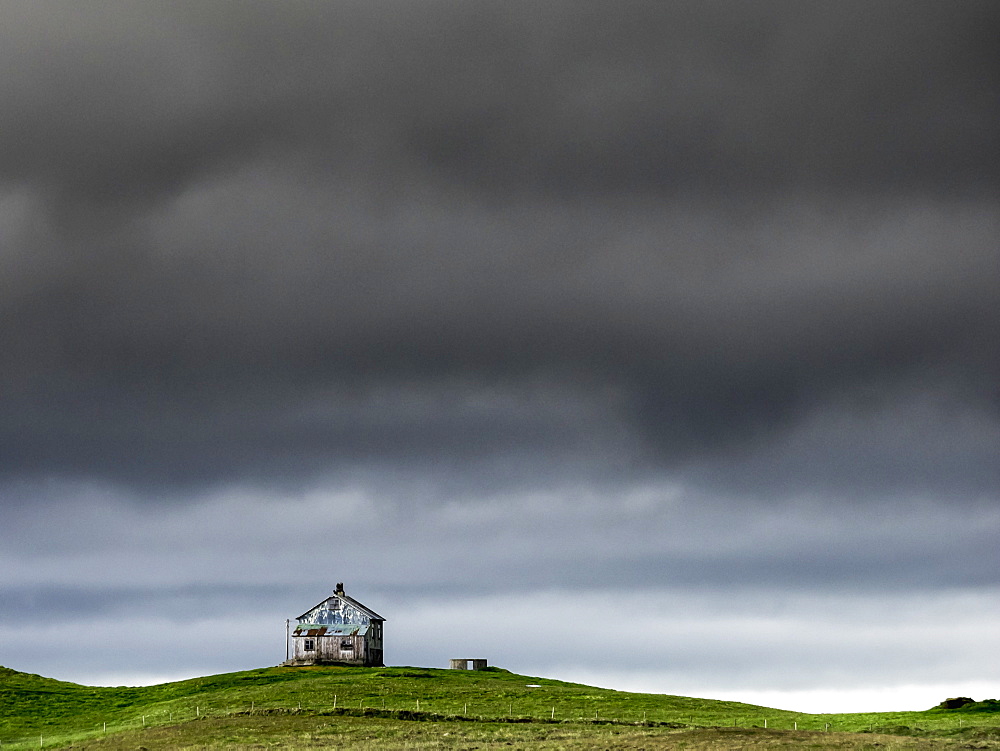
335 612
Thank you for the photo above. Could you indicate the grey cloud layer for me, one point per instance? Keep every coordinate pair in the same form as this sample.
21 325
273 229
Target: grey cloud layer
251 245
116 102
500 308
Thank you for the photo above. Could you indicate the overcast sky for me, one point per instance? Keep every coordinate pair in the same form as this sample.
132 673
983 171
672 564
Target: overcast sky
669 328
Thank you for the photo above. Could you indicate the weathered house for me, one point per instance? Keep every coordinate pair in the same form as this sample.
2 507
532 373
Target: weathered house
338 630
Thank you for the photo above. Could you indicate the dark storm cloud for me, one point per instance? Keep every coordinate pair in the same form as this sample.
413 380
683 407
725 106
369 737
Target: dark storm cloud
113 102
248 242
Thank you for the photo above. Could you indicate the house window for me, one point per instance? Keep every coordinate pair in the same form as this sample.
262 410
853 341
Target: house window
309 645
346 645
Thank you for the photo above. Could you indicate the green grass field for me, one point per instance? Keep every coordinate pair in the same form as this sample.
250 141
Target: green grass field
405 707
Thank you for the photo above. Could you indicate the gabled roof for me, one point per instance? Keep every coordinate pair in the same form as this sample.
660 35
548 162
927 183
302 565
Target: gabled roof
367 611
350 601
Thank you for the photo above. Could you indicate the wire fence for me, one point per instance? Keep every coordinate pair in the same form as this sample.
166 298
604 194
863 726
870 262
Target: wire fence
415 708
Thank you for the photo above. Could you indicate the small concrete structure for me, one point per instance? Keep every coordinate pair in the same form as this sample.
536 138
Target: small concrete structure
463 664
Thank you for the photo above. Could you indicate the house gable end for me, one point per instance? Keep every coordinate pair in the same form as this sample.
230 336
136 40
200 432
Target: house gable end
372 615
336 611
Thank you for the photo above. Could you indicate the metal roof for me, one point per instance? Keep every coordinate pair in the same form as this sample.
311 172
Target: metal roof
316 629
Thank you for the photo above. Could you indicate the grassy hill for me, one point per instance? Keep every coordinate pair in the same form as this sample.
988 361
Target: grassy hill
384 708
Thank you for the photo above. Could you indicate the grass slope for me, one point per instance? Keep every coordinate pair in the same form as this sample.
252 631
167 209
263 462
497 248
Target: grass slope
350 707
